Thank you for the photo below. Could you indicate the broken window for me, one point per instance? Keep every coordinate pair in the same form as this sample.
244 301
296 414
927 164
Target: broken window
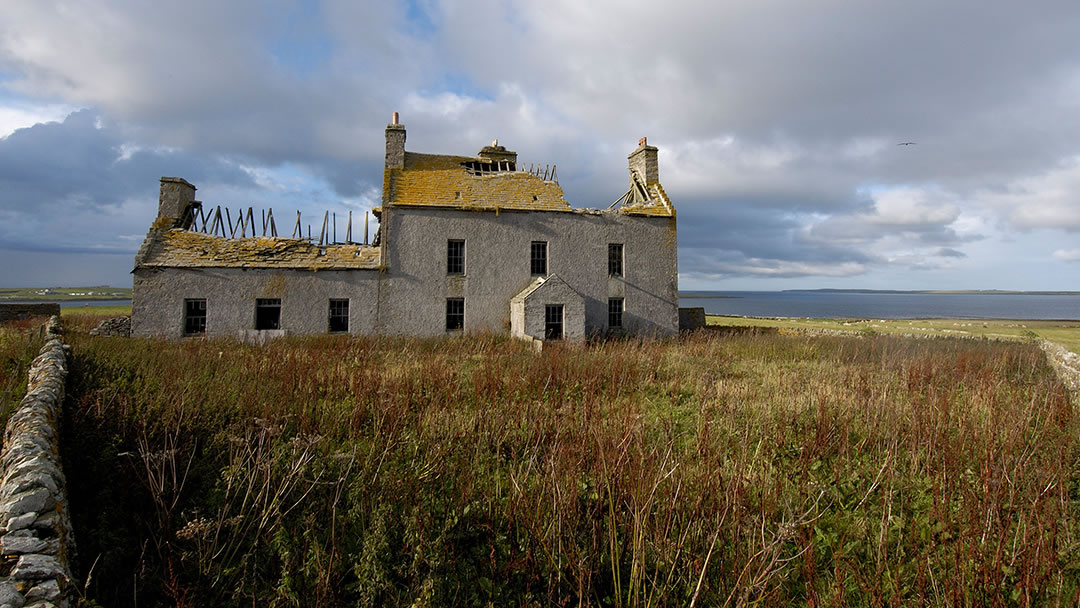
194 317
553 321
339 316
614 259
268 313
614 312
455 314
538 258
455 256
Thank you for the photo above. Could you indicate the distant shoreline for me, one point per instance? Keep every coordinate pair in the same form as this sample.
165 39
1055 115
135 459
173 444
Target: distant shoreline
965 292
922 292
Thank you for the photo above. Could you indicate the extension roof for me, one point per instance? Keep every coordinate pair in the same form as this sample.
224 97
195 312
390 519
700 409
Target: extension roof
177 248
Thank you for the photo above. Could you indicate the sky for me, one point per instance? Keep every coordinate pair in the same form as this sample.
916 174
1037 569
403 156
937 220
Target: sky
778 124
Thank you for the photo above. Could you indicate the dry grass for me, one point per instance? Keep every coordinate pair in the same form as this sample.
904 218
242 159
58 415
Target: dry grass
20 342
1066 333
709 471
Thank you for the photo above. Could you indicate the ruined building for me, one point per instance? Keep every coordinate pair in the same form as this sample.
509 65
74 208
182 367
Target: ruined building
464 243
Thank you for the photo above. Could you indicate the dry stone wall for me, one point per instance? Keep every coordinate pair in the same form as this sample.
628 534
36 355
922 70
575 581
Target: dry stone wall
37 546
1066 362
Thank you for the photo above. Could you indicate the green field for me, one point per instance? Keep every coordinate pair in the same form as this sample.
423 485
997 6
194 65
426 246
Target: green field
61 294
1066 333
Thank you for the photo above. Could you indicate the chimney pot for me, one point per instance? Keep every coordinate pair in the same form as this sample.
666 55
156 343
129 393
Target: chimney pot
644 141
395 121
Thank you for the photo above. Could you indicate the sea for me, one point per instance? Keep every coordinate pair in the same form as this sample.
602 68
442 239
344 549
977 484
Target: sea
855 305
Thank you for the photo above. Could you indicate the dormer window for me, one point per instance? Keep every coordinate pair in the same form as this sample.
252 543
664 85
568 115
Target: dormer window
489 167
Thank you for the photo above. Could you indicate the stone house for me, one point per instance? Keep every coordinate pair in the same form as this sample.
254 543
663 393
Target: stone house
464 243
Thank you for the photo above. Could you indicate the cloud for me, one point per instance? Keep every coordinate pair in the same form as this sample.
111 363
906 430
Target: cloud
1067 255
1050 199
74 186
777 122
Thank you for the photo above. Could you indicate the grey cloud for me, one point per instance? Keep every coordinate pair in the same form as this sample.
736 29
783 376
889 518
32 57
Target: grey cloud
947 252
774 119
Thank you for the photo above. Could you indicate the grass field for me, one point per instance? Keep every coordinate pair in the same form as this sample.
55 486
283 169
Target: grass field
714 470
83 315
1066 333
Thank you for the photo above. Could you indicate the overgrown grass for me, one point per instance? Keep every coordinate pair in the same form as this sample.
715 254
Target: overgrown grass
87 317
709 471
1066 333
20 342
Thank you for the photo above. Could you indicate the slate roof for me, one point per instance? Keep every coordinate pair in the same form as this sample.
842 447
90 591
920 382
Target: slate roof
177 248
435 180
658 205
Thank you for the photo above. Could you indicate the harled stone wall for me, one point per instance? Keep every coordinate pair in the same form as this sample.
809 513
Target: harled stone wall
37 545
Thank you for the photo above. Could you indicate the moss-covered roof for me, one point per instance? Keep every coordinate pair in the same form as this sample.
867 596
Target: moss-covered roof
433 180
178 248
436 180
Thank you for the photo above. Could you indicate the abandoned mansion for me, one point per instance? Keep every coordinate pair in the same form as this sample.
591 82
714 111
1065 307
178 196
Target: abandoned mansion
463 243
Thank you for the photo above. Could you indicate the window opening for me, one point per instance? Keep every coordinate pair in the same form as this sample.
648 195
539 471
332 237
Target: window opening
614 312
538 258
339 316
195 316
615 259
267 313
553 322
455 256
455 314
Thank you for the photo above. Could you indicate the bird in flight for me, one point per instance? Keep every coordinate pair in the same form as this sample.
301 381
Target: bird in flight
906 143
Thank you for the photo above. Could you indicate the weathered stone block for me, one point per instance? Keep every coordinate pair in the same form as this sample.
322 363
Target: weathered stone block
10 596
22 521
46 590
17 544
37 500
38 567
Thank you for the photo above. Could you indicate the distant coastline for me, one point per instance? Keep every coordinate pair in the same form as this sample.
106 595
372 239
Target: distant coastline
99 293
966 292
921 292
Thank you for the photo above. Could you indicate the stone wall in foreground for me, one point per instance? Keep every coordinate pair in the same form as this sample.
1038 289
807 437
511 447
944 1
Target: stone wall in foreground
36 546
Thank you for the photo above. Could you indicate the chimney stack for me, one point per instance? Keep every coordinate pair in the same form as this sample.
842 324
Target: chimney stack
499 154
643 162
176 194
395 144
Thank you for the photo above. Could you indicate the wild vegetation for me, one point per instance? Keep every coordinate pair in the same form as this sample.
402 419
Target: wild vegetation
1065 333
711 471
20 342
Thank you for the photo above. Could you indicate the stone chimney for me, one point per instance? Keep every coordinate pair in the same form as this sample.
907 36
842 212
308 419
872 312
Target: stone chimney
643 162
498 153
176 194
395 144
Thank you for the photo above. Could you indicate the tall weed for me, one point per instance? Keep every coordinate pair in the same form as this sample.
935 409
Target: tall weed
711 471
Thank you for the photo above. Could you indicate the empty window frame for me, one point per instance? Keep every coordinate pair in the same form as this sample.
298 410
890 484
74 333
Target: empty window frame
455 314
615 260
614 312
194 316
538 262
268 313
339 316
553 322
455 256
